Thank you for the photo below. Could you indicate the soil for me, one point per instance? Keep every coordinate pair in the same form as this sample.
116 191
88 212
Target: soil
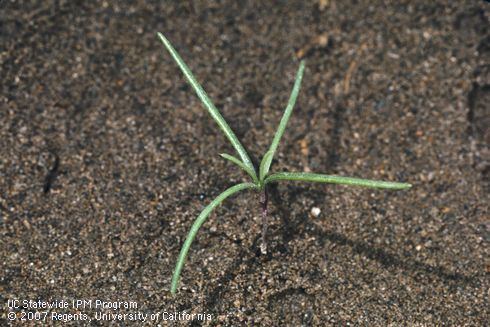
107 157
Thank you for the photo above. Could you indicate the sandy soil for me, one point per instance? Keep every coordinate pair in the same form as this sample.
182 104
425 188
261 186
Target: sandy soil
106 158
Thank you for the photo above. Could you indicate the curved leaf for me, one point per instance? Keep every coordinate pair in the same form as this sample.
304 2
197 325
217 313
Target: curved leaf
197 224
240 164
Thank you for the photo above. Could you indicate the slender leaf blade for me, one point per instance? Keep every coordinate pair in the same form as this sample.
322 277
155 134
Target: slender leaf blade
265 164
240 164
284 119
208 104
197 224
321 178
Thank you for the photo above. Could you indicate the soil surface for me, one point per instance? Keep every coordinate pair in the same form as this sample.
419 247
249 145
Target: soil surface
107 157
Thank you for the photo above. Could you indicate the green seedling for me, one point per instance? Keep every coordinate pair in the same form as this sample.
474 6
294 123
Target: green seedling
263 178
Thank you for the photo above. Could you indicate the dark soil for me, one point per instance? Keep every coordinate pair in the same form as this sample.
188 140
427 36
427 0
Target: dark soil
107 157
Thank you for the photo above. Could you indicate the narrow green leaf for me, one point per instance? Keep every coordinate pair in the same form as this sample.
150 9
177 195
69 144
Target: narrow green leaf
240 164
265 164
208 104
285 118
311 177
197 224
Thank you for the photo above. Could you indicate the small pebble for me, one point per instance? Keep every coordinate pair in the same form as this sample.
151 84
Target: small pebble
315 211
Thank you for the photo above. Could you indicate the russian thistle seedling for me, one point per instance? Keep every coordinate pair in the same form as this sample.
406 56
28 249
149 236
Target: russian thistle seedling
260 181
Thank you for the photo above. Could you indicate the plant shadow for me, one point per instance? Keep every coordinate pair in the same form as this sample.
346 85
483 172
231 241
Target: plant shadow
291 229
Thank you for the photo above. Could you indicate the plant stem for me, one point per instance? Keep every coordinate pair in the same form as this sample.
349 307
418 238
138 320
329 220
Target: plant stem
263 202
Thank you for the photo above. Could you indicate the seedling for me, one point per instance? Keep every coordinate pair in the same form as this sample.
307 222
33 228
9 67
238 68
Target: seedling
263 178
